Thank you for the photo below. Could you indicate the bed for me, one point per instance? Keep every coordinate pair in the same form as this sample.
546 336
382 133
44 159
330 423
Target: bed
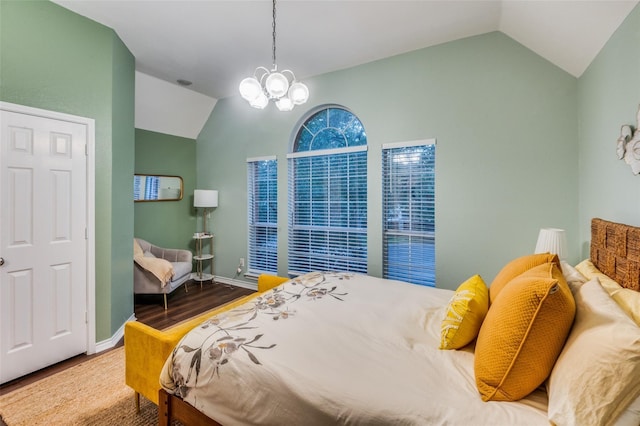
343 348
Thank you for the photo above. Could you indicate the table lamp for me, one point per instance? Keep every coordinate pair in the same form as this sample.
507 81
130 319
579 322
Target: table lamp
205 199
554 241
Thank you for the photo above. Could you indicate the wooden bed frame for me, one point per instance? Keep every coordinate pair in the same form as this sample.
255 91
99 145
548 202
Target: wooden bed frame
614 250
171 408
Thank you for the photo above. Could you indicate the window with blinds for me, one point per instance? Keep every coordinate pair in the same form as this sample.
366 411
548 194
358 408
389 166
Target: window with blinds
408 202
328 194
262 195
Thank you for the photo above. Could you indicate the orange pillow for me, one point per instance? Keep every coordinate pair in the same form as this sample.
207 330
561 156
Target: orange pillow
523 334
517 267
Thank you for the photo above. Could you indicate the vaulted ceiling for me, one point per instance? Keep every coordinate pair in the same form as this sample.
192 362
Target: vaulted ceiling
215 44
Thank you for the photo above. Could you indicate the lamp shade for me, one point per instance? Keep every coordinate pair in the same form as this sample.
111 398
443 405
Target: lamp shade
250 88
299 93
277 85
284 104
205 198
260 101
552 240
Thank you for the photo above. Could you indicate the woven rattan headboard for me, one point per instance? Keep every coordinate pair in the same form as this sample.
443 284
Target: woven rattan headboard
615 250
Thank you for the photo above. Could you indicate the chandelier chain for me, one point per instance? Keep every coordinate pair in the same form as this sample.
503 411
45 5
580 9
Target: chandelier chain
274 35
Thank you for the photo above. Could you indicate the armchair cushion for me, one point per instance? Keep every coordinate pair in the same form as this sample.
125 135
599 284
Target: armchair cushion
180 269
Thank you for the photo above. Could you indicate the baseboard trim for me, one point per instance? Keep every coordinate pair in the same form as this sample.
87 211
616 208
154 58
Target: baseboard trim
237 283
113 341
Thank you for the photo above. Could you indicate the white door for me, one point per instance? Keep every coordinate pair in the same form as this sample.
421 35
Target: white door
43 242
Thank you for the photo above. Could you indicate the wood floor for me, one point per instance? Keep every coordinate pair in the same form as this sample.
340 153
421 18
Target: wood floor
182 305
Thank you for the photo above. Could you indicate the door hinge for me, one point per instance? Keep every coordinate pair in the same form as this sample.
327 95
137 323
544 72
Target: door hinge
85 234
86 150
86 317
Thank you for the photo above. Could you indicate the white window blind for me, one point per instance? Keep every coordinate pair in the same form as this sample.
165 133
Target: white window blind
262 194
409 211
328 211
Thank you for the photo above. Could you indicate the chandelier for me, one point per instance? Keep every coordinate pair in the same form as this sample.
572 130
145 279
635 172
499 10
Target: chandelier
278 86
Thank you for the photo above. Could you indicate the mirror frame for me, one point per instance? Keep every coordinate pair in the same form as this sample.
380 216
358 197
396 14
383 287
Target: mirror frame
162 199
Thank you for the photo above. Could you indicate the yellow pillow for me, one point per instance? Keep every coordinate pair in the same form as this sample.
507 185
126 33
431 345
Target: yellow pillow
465 313
629 300
517 267
523 334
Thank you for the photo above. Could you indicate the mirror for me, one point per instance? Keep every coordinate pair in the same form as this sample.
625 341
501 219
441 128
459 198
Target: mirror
157 188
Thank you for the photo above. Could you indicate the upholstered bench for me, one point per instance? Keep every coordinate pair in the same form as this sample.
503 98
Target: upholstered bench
146 349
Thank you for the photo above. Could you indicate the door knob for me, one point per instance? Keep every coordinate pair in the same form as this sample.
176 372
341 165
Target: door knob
1 261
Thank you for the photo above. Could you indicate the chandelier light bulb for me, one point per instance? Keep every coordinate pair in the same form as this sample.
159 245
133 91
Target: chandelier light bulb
284 104
276 85
260 101
250 88
298 93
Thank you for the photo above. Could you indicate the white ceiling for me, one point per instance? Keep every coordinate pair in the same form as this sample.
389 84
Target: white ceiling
216 43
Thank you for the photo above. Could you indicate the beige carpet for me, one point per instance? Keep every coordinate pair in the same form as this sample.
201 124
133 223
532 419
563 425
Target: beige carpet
90 393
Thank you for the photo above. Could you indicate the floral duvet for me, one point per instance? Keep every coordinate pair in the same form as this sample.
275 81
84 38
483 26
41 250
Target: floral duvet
336 348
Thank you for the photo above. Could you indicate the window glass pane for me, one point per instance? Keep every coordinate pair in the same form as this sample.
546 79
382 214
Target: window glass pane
330 128
304 139
340 118
329 138
317 122
355 134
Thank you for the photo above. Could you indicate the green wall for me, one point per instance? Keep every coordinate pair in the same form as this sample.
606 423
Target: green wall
122 166
54 59
166 223
506 124
609 97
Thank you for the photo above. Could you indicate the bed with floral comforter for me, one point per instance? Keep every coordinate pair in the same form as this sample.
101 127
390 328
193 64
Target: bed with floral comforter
328 348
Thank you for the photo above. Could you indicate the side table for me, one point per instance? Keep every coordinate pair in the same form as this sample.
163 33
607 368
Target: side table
201 257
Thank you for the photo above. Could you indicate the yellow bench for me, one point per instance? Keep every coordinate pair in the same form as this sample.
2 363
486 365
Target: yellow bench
146 349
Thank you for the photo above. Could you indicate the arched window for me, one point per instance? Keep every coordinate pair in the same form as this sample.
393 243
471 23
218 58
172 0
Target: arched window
328 194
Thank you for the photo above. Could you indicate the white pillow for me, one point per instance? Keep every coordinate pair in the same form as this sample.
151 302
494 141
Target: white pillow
572 275
629 300
597 375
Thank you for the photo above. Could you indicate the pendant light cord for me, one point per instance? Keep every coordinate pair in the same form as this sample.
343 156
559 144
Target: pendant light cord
275 67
